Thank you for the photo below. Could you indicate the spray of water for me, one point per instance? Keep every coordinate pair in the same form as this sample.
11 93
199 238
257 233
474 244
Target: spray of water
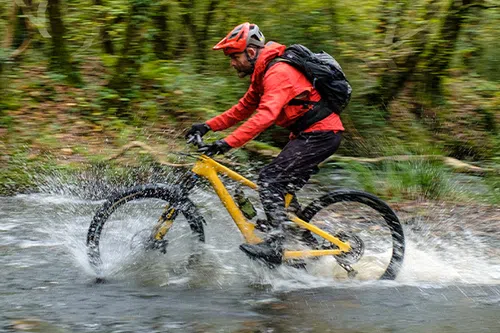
432 257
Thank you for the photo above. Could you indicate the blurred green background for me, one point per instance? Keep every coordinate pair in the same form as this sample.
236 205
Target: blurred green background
79 79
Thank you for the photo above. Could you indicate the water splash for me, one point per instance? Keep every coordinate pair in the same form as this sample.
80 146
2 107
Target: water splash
430 258
462 260
431 255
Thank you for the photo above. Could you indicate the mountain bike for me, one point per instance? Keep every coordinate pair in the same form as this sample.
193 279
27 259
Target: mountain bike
357 229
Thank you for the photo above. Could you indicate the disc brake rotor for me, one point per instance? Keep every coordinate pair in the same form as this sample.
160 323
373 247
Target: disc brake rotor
356 252
351 257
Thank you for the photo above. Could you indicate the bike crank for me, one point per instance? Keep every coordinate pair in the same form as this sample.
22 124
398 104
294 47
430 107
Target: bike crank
346 260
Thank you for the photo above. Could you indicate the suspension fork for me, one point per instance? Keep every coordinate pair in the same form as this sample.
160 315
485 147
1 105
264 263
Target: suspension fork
171 210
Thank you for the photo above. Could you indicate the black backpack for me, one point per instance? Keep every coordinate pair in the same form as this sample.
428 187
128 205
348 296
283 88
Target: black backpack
327 78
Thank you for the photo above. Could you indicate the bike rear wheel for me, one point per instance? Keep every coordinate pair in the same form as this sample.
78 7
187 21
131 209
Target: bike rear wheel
368 224
125 223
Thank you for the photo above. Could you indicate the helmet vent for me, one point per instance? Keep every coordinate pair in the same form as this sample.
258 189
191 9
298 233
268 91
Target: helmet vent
236 31
240 38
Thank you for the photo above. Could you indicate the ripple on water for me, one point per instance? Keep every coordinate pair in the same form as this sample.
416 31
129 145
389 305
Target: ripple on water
41 198
8 226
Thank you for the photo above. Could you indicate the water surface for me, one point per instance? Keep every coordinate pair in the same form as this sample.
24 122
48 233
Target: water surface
447 284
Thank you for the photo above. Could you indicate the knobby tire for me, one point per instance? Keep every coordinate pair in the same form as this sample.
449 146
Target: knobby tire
169 193
390 219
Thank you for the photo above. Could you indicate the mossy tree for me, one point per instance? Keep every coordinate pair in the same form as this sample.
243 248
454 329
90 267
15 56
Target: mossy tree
60 58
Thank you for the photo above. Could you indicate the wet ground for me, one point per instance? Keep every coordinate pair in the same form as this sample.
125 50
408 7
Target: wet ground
450 280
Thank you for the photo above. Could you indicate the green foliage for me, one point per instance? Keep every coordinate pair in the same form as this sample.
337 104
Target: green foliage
404 180
492 182
189 92
21 171
421 178
419 88
364 175
9 103
5 120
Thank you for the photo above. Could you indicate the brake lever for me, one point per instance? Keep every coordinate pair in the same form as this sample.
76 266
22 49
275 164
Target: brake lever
195 139
199 140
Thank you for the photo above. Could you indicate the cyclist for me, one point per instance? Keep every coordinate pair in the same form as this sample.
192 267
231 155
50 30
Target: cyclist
278 94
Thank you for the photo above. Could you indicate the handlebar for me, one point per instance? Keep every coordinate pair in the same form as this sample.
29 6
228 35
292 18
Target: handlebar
196 140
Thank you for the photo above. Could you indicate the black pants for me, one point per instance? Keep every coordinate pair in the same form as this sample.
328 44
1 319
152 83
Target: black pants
291 170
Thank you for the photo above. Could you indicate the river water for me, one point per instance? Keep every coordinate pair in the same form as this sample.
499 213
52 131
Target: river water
447 284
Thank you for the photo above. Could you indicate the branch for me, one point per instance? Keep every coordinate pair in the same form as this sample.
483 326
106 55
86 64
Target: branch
455 164
155 155
150 150
36 22
405 38
23 47
477 5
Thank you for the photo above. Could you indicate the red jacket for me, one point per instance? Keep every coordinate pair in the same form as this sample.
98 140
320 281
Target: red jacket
269 94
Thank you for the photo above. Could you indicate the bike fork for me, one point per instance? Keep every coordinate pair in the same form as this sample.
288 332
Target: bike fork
170 213
162 227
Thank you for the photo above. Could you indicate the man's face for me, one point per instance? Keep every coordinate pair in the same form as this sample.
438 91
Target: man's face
240 62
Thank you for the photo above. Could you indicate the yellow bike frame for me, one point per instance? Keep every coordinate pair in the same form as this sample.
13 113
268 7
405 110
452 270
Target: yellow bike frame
209 169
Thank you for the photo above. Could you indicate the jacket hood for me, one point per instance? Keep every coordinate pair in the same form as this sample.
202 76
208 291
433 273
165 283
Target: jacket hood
268 53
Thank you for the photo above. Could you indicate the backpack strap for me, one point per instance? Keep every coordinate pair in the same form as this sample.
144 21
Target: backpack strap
293 101
274 62
302 102
318 112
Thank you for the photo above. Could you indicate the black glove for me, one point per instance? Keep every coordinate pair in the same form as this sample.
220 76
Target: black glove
201 128
218 147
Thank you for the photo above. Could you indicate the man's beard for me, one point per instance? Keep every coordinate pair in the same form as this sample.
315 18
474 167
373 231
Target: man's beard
243 73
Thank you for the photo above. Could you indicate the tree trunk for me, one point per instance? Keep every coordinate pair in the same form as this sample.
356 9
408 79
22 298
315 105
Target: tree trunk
60 59
199 36
402 62
18 31
161 40
476 48
106 40
129 62
204 33
383 15
11 26
441 52
331 11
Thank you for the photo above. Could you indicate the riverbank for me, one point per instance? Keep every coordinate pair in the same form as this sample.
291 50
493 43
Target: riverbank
72 147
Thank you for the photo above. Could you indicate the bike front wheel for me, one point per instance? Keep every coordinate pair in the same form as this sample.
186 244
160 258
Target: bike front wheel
368 224
125 224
